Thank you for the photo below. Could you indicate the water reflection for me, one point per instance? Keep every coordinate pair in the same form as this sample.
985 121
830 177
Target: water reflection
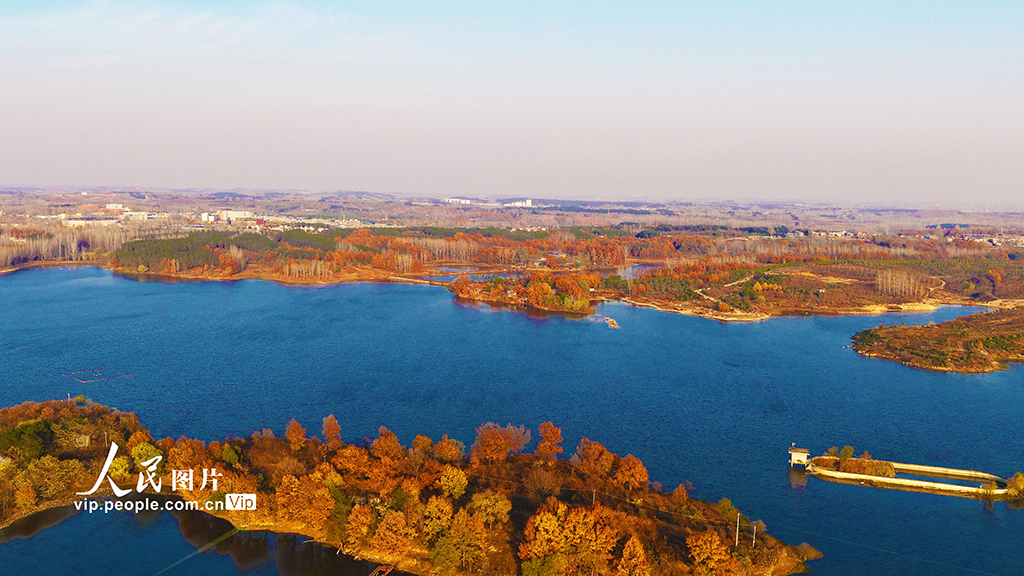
797 478
293 555
31 525
250 552
528 310
150 277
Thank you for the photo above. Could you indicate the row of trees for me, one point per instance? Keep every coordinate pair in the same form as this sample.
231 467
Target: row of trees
57 243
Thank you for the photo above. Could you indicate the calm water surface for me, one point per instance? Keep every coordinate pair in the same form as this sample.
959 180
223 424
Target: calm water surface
716 404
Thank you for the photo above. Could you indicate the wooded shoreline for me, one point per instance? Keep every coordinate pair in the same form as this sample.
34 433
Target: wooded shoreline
427 508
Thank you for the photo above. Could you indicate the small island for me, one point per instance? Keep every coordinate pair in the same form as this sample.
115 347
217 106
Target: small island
435 507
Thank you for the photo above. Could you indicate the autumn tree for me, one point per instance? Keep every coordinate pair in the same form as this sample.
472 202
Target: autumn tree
357 529
680 493
146 452
590 535
448 449
550 438
548 566
353 462
437 517
387 445
631 473
592 459
305 501
710 555
187 454
460 285
516 437
25 496
634 560
467 535
544 535
490 445
491 507
138 438
392 535
453 482
538 294
296 435
423 445
332 432
231 455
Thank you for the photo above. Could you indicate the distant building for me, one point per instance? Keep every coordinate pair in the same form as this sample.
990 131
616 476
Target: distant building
520 204
224 215
82 222
458 201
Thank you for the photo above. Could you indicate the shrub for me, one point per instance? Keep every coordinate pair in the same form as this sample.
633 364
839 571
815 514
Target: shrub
869 467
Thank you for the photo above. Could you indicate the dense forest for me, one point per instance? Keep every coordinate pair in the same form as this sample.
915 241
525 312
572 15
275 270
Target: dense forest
503 505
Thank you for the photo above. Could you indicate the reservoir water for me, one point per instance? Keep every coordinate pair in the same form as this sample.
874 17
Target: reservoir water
697 400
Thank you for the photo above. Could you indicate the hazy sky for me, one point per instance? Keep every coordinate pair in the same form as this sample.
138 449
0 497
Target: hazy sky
816 100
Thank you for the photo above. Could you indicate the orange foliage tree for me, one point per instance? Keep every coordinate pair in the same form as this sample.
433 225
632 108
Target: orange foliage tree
593 459
550 438
634 560
516 437
490 445
387 445
332 431
710 555
296 435
631 473
358 527
392 535
448 449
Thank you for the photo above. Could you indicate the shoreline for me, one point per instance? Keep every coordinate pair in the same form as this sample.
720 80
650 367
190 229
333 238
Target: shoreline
272 527
926 305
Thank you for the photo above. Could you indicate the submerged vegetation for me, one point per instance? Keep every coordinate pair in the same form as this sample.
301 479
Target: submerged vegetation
495 507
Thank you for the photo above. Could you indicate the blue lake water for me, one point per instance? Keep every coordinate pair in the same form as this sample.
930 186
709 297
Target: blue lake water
716 404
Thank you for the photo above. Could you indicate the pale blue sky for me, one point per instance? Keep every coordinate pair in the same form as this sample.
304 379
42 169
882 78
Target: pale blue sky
877 101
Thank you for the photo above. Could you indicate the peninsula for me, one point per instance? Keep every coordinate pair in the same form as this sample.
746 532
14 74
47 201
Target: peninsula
434 507
970 344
